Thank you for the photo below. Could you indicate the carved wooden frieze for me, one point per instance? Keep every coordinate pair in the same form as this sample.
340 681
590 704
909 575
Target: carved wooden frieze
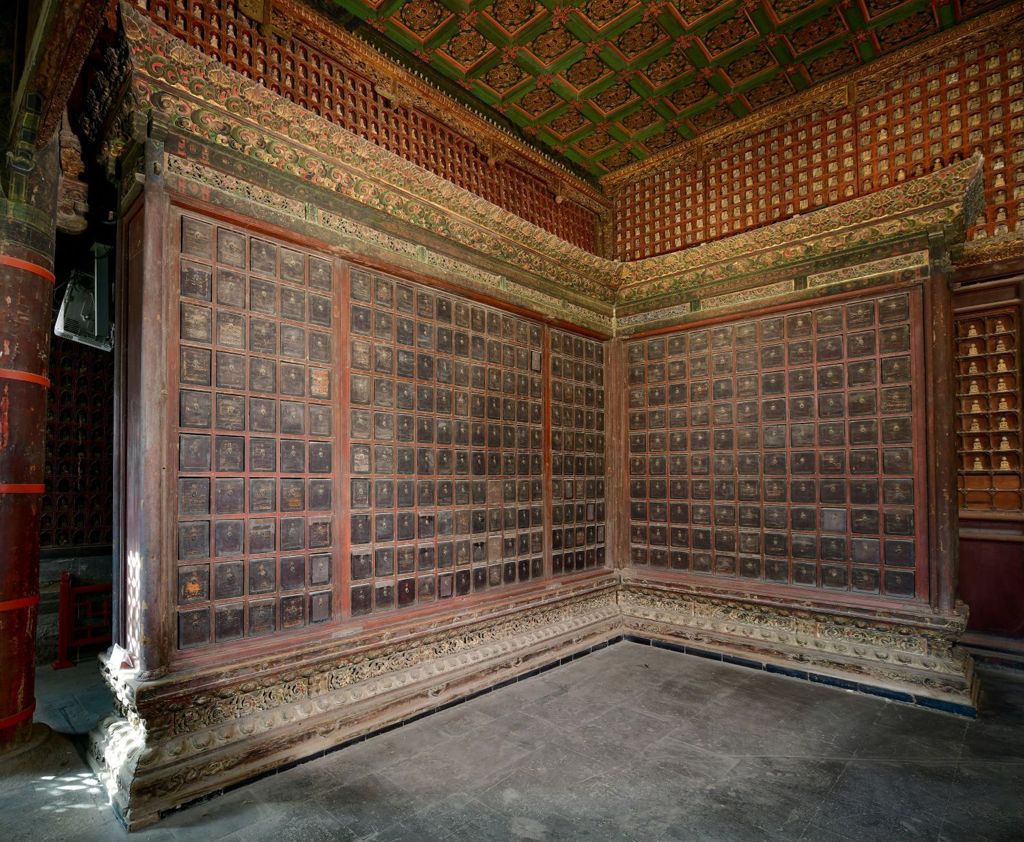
170 743
909 659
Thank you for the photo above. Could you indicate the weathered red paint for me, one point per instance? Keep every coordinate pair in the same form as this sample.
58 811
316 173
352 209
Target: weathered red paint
25 294
25 377
28 266
5 418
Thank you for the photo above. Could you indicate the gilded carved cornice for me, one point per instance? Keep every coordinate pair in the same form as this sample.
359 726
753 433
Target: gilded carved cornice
359 240
200 97
988 250
943 200
1006 24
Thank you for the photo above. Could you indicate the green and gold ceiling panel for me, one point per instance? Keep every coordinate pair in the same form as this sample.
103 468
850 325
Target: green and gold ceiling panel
605 83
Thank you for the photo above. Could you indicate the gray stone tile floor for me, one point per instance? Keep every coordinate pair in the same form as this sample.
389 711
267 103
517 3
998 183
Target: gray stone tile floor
628 743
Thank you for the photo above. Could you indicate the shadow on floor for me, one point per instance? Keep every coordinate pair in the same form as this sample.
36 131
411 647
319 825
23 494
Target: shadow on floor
71 701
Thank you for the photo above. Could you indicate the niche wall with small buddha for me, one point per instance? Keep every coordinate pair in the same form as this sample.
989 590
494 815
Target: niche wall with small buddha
989 409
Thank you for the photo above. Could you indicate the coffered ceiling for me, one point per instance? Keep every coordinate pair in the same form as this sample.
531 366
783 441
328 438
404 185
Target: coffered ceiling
605 83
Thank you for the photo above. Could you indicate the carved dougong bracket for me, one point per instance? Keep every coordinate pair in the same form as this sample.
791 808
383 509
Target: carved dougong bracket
21 156
73 193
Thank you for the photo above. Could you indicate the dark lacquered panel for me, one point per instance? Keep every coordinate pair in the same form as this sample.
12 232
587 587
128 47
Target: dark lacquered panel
256 436
780 448
446 456
577 453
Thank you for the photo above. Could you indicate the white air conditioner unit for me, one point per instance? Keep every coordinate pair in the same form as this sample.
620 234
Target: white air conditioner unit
85 311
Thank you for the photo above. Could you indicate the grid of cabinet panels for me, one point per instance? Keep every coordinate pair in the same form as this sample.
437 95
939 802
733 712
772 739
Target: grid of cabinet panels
780 448
988 413
446 453
255 542
76 506
577 453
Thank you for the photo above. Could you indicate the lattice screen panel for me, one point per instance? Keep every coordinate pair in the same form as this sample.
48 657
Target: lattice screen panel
77 505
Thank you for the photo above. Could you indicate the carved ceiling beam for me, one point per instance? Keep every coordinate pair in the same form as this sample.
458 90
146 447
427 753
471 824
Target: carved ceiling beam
55 53
72 191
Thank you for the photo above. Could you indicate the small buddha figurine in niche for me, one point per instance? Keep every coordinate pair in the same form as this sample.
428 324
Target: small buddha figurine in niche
999 326
975 406
1003 423
1001 385
975 426
973 367
978 464
1004 464
1001 365
1003 405
972 350
972 331
977 444
1000 345
974 390
1004 443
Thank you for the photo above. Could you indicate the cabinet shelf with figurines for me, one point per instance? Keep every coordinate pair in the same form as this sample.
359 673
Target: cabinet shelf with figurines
988 417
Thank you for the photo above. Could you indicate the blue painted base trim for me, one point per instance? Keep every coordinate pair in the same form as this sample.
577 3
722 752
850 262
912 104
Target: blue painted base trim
806 675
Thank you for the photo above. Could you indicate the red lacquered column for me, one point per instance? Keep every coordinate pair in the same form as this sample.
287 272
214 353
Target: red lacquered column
27 220
26 292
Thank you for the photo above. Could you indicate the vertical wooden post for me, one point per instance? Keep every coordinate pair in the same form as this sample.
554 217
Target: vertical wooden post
65 622
617 489
27 227
941 412
146 532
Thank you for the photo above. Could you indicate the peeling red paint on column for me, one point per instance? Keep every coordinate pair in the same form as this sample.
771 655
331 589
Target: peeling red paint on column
5 421
23 394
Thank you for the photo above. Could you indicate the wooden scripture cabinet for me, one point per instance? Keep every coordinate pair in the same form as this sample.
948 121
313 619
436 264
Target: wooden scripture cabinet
348 445
784 449
990 493
791 470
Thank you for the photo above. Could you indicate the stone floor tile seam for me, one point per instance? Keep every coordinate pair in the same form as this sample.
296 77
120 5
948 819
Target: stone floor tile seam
825 798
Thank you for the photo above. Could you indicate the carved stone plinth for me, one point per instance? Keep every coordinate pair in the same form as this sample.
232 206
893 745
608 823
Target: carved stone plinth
176 739
910 656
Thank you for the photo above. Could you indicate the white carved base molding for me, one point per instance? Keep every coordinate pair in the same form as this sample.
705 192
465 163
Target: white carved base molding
907 656
177 739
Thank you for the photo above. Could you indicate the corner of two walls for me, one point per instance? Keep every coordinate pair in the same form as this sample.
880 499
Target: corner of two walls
343 417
